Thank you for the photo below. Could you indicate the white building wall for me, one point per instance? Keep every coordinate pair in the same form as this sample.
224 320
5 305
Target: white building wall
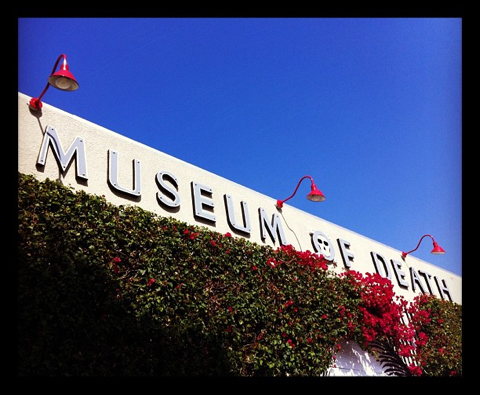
351 360
297 225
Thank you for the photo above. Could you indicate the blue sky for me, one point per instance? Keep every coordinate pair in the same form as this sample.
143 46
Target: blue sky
371 108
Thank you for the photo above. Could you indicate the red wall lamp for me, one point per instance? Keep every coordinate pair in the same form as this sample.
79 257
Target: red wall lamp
315 194
62 79
437 250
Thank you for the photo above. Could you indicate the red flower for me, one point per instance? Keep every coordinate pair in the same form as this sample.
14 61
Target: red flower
415 370
116 260
271 262
150 282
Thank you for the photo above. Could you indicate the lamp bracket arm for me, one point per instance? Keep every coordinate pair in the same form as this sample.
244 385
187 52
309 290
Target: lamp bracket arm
294 192
418 245
53 71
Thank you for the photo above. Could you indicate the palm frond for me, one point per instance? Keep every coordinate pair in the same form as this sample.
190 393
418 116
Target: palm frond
391 362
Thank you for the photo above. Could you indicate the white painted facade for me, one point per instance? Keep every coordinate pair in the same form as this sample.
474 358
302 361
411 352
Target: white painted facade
353 361
103 151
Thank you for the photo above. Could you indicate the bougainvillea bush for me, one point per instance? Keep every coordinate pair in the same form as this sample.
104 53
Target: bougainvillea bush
109 290
438 324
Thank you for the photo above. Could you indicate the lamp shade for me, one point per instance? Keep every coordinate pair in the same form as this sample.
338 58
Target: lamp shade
63 79
437 250
315 194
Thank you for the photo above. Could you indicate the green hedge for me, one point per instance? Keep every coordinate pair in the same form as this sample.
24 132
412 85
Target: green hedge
109 290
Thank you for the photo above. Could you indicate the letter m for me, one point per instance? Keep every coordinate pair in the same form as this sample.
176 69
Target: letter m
50 138
273 229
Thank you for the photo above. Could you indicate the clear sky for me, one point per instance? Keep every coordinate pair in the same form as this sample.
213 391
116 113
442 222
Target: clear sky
370 108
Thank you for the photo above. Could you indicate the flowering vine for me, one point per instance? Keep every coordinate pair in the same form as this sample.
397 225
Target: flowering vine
438 325
381 315
192 301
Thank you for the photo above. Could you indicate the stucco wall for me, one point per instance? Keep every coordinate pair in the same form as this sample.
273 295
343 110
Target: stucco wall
296 224
351 360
